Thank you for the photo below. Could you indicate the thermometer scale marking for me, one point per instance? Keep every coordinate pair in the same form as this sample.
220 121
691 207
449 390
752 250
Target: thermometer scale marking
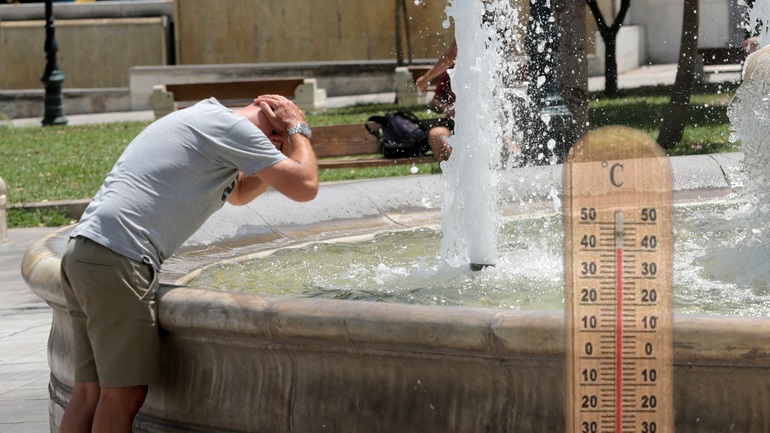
618 281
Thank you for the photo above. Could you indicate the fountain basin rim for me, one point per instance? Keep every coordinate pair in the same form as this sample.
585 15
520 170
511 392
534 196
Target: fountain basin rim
386 205
198 313
256 252
392 204
288 358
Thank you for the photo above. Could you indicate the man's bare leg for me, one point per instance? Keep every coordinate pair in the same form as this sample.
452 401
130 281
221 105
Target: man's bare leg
437 140
79 415
117 408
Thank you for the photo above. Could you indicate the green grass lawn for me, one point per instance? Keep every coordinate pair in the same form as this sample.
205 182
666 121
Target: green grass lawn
708 128
70 162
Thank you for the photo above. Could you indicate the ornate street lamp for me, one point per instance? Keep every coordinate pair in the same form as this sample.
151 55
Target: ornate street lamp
550 121
52 77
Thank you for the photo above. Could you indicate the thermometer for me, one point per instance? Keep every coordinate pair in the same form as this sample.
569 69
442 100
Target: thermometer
618 273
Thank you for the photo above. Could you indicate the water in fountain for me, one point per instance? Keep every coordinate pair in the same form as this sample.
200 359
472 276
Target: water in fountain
746 255
398 267
484 31
743 257
721 250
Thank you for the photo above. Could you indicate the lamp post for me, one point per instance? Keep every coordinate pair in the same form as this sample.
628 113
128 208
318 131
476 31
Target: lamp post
550 121
52 77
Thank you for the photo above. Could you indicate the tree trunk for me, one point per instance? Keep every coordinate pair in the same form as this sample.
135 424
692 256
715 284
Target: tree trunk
672 128
609 36
611 65
572 64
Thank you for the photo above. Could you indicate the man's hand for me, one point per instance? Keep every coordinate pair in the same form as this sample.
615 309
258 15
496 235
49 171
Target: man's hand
296 176
751 44
422 83
280 112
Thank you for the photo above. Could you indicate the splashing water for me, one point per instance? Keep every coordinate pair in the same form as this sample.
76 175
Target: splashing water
748 251
401 267
759 21
722 252
470 217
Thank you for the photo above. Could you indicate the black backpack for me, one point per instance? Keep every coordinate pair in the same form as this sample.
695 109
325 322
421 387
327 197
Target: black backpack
401 134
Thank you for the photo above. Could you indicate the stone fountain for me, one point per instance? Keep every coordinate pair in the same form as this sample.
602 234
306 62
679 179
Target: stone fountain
235 362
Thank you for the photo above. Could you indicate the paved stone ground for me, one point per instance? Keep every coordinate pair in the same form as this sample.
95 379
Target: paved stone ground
25 321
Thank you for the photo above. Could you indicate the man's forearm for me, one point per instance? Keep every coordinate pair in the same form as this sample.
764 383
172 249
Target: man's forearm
302 169
299 149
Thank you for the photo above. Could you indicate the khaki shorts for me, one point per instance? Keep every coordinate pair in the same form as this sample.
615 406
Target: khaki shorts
111 301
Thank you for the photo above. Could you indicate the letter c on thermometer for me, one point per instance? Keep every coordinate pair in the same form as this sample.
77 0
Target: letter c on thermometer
614 175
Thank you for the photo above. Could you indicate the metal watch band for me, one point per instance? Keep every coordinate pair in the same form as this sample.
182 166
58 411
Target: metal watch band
301 128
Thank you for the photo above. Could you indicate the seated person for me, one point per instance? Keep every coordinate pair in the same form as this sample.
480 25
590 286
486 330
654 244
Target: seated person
442 102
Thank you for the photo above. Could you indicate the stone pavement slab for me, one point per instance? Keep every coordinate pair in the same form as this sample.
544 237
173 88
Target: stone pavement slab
25 321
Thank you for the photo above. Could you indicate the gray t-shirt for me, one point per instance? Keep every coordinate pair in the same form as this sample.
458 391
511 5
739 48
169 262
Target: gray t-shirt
171 178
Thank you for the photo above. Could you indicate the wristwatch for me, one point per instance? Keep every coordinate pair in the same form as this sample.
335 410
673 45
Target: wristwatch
302 128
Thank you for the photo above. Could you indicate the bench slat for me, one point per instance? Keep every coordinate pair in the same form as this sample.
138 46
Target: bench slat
343 140
235 90
372 162
419 71
722 55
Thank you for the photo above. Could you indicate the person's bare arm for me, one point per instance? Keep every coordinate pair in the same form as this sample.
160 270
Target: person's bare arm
751 44
444 62
297 176
247 188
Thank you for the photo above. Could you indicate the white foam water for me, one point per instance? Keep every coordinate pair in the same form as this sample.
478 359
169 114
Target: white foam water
402 267
483 31
759 21
744 258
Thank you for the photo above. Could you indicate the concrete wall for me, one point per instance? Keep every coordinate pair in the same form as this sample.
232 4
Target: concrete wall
31 102
301 30
93 53
99 42
662 20
98 52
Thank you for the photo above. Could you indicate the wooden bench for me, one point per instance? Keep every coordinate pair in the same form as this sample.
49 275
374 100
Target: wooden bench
167 97
336 146
418 71
352 146
722 55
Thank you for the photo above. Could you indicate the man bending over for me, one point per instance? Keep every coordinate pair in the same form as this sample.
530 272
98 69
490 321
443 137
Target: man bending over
169 180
